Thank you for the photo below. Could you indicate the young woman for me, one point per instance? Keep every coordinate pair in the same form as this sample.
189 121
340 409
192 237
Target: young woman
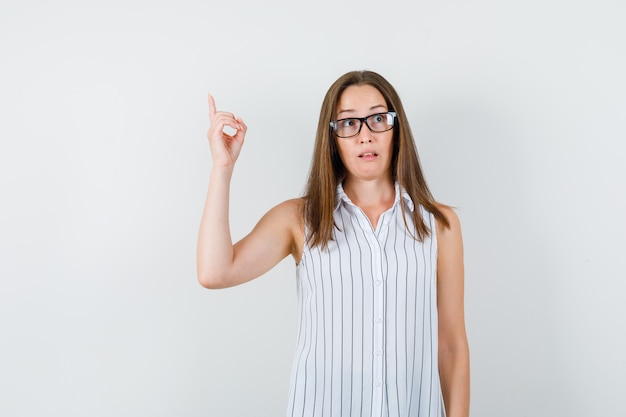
379 262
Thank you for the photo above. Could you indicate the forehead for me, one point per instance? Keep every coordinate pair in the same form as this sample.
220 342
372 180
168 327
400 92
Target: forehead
360 98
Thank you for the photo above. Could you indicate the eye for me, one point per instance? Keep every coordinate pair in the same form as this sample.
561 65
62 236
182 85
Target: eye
347 122
378 118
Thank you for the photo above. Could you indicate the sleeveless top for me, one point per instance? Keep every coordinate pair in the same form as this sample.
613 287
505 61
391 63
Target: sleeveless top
367 325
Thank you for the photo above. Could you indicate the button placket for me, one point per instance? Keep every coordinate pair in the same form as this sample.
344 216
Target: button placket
379 323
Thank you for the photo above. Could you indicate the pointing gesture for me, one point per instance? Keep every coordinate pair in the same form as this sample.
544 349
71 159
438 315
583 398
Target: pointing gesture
225 147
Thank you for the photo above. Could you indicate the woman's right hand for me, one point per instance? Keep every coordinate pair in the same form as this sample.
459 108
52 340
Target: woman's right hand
225 148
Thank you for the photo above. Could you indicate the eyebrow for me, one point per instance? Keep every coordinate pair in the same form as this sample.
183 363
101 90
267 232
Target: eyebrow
378 106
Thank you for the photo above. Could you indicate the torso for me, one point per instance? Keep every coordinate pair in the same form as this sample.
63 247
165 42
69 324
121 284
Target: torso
367 338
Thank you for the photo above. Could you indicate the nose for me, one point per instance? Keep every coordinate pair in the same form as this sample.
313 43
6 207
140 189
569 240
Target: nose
365 134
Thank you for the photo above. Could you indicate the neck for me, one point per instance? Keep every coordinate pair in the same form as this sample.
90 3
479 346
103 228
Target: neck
367 193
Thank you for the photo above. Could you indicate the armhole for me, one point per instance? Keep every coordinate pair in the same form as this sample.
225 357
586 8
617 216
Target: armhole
431 221
305 246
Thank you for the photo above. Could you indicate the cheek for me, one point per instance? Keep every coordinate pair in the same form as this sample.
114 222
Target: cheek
342 152
391 145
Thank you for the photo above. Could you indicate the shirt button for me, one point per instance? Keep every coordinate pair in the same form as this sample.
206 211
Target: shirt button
378 383
379 320
378 282
379 352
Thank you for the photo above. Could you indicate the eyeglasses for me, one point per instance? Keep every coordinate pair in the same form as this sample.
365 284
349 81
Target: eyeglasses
351 126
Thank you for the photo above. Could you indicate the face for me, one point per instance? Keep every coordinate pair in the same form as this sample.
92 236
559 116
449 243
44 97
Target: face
366 156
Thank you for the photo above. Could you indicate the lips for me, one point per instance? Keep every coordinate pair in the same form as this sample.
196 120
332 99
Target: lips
368 155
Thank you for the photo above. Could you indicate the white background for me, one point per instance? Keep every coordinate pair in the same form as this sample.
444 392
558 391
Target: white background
518 108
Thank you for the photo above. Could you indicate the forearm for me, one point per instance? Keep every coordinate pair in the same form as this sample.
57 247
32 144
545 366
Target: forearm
215 247
455 380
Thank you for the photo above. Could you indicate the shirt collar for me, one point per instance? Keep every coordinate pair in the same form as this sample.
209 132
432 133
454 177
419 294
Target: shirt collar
342 197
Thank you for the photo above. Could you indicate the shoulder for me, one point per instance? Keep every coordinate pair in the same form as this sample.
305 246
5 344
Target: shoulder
291 209
279 230
452 233
449 245
289 216
450 214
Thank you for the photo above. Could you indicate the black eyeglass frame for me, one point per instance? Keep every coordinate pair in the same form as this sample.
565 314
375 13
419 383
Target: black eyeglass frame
363 120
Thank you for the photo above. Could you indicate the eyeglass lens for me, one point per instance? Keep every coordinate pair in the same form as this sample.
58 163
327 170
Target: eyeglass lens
377 123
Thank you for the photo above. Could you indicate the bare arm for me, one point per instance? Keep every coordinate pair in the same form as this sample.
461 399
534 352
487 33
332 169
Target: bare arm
221 264
453 346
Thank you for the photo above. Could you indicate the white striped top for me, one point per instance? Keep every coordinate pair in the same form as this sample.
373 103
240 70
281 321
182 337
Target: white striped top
367 330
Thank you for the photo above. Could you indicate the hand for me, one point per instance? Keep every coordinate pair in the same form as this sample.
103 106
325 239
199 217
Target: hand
225 148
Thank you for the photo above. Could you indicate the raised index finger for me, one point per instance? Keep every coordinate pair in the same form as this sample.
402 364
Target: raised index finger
211 106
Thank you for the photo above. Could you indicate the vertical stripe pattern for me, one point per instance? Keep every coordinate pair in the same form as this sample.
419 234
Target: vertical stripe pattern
367 330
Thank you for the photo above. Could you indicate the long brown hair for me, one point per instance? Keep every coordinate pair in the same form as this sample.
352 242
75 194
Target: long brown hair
327 170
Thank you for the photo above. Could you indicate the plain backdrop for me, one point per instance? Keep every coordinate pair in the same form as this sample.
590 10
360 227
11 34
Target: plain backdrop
518 109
